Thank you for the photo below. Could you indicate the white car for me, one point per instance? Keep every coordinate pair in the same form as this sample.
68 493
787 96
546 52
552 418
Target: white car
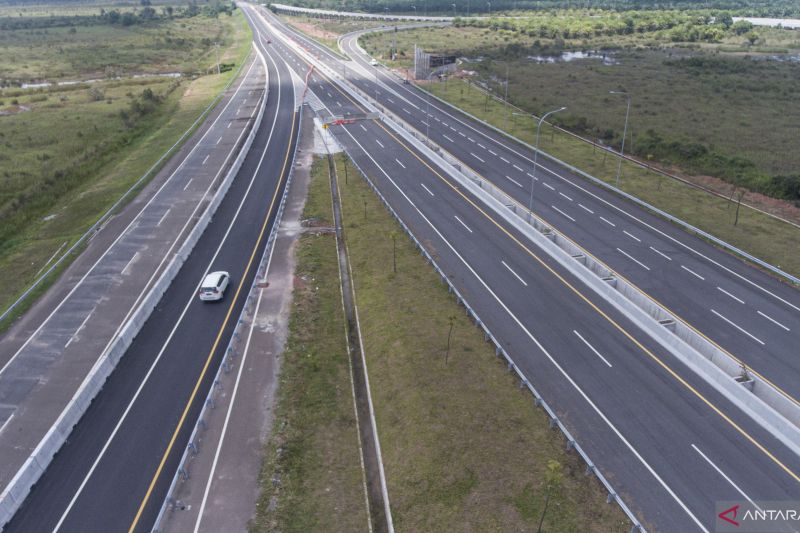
214 285
374 62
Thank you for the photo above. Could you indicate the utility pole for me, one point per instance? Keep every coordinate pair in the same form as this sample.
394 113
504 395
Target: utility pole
624 133
216 48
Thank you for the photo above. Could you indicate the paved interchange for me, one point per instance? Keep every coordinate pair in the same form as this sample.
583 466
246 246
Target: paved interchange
670 443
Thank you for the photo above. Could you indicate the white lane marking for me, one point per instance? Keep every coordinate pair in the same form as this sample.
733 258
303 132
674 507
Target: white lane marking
512 180
482 146
721 473
436 119
160 220
399 163
338 103
493 153
448 138
565 196
392 101
548 186
330 95
379 143
427 189
6 423
470 139
229 125
773 320
585 208
423 122
191 300
445 124
452 128
532 176
629 256
218 140
518 168
406 110
662 254
206 159
476 157
362 127
731 295
539 345
239 110
693 273
592 348
515 274
762 343
563 213
634 237
461 134
187 184
462 223
608 222
131 260
85 320
504 160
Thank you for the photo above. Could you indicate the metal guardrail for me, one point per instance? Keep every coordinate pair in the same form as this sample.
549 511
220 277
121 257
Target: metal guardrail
98 225
29 473
193 448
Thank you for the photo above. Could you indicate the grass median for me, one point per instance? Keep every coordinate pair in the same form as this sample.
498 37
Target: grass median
463 447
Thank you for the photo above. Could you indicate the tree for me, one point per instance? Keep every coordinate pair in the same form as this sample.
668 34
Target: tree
726 20
553 481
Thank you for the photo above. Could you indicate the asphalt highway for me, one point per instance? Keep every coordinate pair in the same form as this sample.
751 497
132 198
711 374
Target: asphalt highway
746 312
113 473
671 445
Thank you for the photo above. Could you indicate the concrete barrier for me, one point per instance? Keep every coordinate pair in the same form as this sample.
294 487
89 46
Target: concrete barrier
30 472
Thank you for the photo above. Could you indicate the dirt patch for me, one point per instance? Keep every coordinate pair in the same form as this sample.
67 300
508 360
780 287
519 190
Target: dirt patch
315 31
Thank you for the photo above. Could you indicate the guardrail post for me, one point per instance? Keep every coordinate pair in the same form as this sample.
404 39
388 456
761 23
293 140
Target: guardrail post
185 475
193 447
611 497
553 422
523 383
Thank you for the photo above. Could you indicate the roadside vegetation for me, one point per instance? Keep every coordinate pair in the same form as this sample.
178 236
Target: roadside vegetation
464 448
327 31
126 95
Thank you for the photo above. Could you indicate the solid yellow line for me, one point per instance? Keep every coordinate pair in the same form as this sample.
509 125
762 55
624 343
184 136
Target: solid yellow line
654 357
216 341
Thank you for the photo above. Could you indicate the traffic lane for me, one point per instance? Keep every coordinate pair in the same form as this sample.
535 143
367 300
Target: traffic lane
102 417
608 239
558 341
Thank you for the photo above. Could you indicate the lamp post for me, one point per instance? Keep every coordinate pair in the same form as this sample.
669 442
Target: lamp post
536 153
624 133
454 10
489 5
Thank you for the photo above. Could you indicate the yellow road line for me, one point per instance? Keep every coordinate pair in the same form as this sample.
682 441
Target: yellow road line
216 341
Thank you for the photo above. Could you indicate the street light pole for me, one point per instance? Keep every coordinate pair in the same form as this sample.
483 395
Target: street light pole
490 6
624 133
536 154
454 10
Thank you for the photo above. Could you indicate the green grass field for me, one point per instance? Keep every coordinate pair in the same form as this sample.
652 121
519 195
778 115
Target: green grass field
67 153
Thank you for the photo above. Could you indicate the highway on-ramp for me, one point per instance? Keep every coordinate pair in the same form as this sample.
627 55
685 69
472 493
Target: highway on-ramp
670 443
113 473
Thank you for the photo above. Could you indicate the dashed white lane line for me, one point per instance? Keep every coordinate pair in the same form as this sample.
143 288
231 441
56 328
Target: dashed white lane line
448 138
362 127
629 256
721 473
406 111
476 157
632 236
482 146
504 160
330 95
206 159
565 196
515 274
762 343
608 222
532 176
462 223
462 134
229 125
592 348
585 208
518 168
662 254
187 184
549 186
392 101
132 259
160 220
452 128
399 163
563 213
470 139
85 320
427 189
693 273
773 321
218 140
731 295
436 119
6 423
338 103
379 143
493 153
512 180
